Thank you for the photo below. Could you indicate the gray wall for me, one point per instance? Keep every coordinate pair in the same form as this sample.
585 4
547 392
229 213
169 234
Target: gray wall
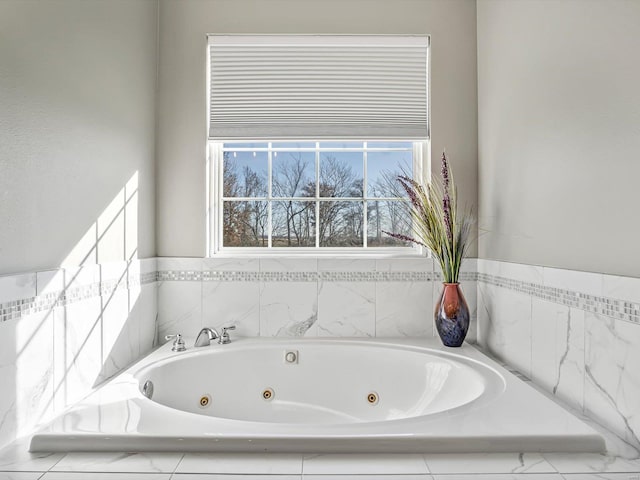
182 133
77 88
559 135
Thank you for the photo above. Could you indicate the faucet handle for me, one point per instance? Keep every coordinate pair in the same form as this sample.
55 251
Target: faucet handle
224 337
178 344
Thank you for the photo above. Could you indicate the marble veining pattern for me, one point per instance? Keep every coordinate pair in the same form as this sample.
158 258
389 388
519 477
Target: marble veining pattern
583 346
287 296
333 276
305 276
17 308
291 311
626 310
400 308
227 303
557 350
574 336
488 463
67 330
612 381
17 464
346 309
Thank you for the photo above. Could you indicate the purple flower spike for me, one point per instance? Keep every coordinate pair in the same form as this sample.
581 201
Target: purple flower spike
446 199
445 172
434 220
404 238
410 192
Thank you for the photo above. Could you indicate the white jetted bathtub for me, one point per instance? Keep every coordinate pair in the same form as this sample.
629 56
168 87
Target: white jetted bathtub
313 395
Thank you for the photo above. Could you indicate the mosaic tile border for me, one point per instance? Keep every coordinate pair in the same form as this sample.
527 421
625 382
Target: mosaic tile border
26 306
40 303
338 276
609 307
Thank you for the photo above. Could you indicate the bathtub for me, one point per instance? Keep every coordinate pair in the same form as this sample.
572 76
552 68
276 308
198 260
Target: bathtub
316 395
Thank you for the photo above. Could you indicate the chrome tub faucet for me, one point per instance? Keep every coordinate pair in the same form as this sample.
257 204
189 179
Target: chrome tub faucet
224 338
178 342
205 336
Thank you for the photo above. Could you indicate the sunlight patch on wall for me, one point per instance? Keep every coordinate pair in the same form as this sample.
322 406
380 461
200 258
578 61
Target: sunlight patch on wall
114 235
62 353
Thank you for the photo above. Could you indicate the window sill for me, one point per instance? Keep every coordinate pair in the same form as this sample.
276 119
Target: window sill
341 253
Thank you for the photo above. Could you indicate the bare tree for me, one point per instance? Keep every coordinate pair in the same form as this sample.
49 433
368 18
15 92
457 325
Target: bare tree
340 210
390 215
340 222
231 212
289 179
255 185
245 222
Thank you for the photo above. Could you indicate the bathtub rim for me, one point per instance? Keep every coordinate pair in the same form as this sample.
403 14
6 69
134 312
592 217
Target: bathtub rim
494 382
470 432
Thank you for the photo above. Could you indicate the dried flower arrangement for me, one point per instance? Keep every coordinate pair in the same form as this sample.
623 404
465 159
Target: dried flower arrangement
435 222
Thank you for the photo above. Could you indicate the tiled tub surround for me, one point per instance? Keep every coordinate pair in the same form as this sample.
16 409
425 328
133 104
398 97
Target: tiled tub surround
575 334
449 400
342 297
64 331
496 295
17 464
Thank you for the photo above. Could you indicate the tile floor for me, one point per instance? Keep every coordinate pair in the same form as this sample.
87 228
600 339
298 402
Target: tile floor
621 463
18 464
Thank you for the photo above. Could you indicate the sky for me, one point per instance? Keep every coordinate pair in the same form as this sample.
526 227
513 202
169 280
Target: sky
377 162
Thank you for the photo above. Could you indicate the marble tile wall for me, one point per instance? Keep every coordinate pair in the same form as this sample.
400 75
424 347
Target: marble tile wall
64 331
576 334
361 297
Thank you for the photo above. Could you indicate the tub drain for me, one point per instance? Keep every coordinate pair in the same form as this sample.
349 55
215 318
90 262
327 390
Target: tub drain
205 401
268 394
147 389
372 398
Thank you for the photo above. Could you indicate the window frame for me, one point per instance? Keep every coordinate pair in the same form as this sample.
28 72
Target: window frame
214 212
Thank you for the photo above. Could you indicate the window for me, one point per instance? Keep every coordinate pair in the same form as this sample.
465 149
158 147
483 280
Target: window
307 135
311 196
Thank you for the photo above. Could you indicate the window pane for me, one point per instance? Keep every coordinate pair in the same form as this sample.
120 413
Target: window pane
341 224
245 174
383 169
233 146
294 224
290 145
341 174
297 172
245 224
387 216
294 174
406 145
341 145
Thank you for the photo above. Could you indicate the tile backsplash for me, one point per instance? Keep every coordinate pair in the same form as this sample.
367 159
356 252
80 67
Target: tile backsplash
302 296
64 331
576 334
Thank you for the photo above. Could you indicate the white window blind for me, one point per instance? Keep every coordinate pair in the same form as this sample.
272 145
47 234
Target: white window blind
305 86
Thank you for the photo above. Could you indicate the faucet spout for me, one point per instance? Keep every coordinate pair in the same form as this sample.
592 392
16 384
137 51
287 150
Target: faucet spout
205 336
